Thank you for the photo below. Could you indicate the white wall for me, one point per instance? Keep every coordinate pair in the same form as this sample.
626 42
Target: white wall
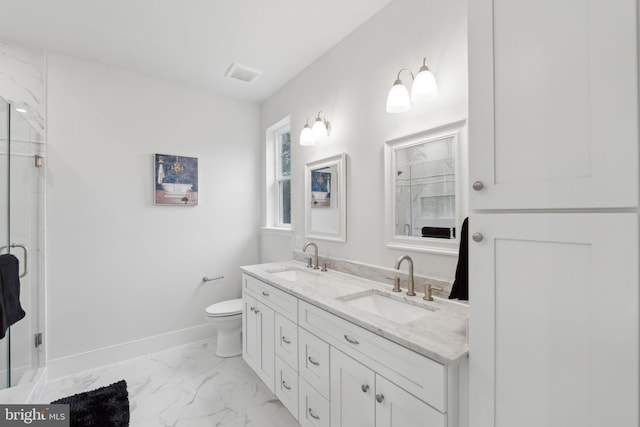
121 269
350 83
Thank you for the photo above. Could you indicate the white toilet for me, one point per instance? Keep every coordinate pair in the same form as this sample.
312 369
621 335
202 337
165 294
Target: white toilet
226 316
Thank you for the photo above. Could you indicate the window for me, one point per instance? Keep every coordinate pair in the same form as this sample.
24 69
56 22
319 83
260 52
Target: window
283 176
278 176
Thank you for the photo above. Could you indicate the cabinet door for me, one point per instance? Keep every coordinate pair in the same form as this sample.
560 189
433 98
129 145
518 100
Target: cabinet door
314 409
287 341
313 362
553 103
395 407
249 331
286 385
265 363
352 392
553 322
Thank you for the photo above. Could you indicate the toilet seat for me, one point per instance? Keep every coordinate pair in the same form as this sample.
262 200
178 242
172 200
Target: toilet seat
231 307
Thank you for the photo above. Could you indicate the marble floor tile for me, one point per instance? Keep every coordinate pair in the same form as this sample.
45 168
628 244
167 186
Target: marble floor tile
186 386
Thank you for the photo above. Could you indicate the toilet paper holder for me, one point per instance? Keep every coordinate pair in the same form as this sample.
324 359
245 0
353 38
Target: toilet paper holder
210 279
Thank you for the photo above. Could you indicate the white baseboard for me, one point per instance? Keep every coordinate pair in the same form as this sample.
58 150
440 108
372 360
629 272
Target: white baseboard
69 365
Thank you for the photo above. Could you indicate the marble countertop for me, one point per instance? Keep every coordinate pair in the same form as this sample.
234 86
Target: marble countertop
440 335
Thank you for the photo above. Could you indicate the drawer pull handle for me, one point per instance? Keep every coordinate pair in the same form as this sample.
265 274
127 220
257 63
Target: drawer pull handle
313 362
380 397
286 341
257 311
313 415
284 384
265 293
365 387
351 340
253 309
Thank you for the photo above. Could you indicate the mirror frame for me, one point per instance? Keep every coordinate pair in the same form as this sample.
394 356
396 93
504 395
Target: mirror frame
341 161
457 130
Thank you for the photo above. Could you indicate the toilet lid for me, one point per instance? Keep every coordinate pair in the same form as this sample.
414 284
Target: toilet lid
225 308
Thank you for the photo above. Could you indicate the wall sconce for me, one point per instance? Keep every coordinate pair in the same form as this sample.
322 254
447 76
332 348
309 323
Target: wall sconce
423 89
317 133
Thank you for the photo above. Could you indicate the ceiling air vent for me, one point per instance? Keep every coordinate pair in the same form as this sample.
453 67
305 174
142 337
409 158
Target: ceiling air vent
242 73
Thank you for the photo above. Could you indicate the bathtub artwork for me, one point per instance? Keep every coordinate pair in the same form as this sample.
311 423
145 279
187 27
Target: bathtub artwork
320 189
176 180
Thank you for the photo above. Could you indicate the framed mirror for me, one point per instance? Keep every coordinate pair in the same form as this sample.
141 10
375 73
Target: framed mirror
424 206
326 199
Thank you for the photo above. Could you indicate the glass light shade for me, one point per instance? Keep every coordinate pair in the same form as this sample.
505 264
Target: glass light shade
424 86
398 100
306 136
319 129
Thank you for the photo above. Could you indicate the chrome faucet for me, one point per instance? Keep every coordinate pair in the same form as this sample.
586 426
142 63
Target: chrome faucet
315 256
411 290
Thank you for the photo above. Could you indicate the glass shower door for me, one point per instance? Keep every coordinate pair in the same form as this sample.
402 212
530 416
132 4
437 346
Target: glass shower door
22 234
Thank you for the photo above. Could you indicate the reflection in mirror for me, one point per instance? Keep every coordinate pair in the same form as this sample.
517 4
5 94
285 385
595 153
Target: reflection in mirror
425 190
423 203
325 198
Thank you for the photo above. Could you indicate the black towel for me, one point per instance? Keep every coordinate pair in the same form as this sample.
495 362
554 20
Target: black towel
10 309
460 289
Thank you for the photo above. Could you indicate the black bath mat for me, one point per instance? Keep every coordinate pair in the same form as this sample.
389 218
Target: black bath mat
103 407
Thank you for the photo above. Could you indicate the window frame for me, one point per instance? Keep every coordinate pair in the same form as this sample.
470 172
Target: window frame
279 178
272 213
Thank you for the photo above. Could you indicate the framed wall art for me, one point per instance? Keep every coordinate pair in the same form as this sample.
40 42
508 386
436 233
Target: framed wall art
176 180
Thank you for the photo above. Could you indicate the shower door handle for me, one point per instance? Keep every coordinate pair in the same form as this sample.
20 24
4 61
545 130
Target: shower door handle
26 256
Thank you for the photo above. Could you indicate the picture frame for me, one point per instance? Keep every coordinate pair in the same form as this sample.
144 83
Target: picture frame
175 180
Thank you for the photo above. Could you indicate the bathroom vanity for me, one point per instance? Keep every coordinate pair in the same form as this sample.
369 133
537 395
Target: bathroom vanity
339 350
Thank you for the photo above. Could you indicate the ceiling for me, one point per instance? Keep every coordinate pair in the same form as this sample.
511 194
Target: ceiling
191 42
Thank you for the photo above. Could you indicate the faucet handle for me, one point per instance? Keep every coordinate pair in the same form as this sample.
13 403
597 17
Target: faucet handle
427 291
396 283
309 260
324 267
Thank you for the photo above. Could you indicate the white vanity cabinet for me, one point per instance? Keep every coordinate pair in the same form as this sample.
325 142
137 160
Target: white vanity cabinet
362 398
258 338
553 104
265 333
340 374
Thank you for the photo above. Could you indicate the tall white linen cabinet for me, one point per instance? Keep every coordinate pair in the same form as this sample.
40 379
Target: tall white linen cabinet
553 248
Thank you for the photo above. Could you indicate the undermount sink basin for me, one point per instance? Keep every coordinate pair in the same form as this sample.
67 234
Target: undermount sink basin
385 305
292 274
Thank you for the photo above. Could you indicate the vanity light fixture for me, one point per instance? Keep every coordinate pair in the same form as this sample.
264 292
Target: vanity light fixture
306 136
424 88
319 132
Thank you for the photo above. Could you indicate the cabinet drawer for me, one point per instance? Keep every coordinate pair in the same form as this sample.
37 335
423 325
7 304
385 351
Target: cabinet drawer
280 301
287 341
314 361
419 375
314 409
287 386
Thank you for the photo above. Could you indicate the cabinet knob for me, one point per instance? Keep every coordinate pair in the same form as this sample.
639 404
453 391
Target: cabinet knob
478 185
477 237
257 311
380 397
253 309
365 387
